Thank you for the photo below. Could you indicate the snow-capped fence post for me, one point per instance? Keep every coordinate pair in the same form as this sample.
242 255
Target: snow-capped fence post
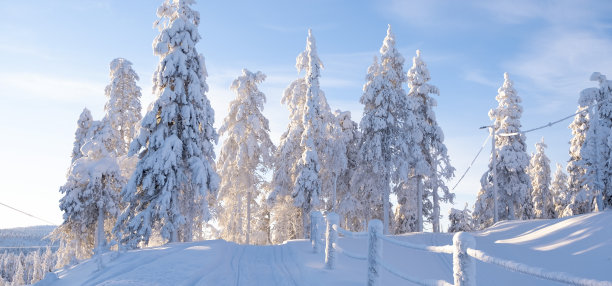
464 268
375 231
315 220
331 235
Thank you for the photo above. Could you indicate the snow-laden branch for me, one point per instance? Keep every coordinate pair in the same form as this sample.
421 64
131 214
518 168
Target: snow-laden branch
536 271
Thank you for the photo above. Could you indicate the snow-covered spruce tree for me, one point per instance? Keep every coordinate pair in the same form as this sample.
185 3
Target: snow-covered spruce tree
82 133
513 183
559 191
167 194
587 165
433 151
91 198
405 212
244 158
385 153
19 277
350 200
539 171
289 155
575 168
123 105
460 220
598 141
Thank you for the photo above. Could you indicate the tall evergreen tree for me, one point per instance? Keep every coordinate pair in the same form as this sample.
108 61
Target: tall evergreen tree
91 197
307 107
350 201
245 157
82 133
433 151
123 105
539 171
513 183
167 194
559 190
575 168
598 164
386 152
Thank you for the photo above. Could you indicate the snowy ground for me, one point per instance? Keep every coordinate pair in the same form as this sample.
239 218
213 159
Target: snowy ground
579 245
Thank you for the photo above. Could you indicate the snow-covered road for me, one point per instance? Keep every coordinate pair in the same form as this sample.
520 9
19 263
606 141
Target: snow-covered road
199 263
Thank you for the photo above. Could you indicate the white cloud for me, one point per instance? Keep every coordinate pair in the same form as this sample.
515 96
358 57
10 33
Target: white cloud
562 61
478 77
46 86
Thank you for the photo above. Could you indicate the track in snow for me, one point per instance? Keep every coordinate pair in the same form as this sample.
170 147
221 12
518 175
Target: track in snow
199 263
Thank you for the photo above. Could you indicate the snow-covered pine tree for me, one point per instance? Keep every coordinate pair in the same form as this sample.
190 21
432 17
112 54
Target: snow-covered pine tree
385 153
559 190
598 163
460 220
433 151
588 148
575 167
91 197
123 105
37 270
291 149
307 187
539 171
513 183
351 201
81 134
19 276
405 213
244 158
48 260
167 194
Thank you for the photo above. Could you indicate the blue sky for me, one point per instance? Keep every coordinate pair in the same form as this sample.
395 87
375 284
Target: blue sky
54 58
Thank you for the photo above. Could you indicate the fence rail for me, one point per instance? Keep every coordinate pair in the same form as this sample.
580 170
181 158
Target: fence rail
463 250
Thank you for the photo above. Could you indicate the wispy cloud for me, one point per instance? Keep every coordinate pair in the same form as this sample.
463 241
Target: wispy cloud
50 87
480 78
561 61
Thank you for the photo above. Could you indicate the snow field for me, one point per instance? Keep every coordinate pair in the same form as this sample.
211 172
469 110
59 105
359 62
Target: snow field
579 246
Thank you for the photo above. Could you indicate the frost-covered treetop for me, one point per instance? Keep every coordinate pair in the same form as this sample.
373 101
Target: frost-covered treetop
171 10
122 66
309 59
418 76
123 106
509 110
82 133
540 146
391 60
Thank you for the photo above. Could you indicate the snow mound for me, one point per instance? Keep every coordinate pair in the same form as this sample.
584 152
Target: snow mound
579 245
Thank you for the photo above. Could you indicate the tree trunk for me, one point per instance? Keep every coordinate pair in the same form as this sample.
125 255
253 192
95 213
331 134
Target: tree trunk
100 232
436 206
419 198
305 223
248 205
385 201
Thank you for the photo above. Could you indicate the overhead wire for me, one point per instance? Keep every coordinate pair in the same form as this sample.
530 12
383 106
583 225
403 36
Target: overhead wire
549 124
473 160
25 213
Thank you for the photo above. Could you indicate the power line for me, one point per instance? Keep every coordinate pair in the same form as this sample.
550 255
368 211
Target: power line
549 124
25 213
474 160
